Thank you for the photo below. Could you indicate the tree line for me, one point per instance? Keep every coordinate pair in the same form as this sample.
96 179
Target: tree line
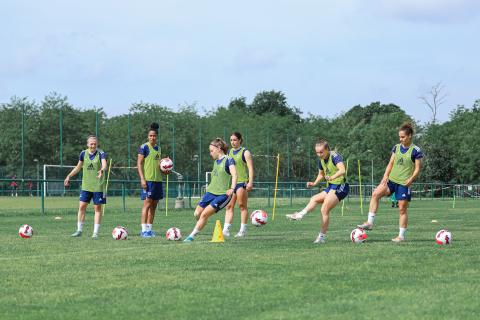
55 131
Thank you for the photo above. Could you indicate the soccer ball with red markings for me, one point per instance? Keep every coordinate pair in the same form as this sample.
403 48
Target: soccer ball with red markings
166 165
120 233
173 234
259 218
443 237
358 235
25 231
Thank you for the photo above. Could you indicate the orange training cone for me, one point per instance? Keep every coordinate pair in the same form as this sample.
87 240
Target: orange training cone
217 233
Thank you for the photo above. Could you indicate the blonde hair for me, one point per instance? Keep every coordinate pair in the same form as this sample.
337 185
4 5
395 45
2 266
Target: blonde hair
219 143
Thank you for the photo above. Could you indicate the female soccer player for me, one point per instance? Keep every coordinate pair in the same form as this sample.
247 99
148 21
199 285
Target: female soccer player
93 162
244 166
220 189
148 166
401 171
332 169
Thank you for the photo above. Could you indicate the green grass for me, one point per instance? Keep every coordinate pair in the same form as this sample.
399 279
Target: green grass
276 273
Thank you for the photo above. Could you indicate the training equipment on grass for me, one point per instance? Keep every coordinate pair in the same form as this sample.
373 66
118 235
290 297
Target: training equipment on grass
443 237
106 187
276 187
166 165
259 218
173 234
217 233
120 233
358 235
25 231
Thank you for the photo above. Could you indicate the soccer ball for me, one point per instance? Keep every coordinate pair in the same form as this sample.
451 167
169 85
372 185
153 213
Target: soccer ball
119 233
259 218
25 231
358 235
443 237
166 165
173 234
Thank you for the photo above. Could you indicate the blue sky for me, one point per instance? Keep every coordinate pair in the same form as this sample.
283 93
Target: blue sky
326 56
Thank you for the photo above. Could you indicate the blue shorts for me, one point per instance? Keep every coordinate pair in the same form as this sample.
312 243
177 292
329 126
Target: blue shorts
154 191
218 202
401 192
240 185
86 196
341 190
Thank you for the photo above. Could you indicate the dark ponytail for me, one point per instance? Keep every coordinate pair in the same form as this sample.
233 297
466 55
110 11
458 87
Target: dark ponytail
154 127
407 127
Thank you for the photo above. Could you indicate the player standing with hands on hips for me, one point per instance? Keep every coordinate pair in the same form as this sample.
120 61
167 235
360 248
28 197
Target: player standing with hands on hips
402 170
93 162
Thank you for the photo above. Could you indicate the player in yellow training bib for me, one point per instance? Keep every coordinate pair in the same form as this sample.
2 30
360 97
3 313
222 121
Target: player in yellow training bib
93 163
148 166
332 169
221 188
244 166
402 170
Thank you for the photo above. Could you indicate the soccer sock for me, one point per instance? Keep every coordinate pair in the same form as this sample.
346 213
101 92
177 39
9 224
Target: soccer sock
322 235
303 212
80 226
144 227
194 233
226 226
96 227
243 227
149 227
401 234
371 217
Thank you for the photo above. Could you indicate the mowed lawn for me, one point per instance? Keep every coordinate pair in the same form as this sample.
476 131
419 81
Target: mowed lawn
275 273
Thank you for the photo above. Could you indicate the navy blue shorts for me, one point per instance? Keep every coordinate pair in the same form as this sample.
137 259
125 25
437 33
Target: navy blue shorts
341 190
86 196
401 192
154 191
240 185
218 202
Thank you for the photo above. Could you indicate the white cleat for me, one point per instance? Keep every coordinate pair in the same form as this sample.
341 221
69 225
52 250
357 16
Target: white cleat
398 239
241 234
365 226
294 216
226 233
320 240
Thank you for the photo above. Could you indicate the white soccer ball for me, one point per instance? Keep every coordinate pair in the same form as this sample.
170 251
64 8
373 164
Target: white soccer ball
119 233
443 237
358 235
173 234
25 231
166 165
259 218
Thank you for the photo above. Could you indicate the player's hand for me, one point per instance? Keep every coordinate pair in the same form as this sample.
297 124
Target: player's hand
409 182
310 184
229 192
66 183
327 178
144 184
99 174
249 186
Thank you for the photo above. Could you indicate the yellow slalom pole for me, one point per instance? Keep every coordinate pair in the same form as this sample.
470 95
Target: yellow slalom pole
453 204
106 186
166 199
276 187
346 175
360 182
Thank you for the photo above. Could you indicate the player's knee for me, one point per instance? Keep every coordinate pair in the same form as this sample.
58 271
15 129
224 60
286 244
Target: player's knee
242 206
325 211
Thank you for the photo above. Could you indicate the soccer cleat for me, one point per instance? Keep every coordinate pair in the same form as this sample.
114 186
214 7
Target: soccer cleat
226 233
320 240
365 226
95 236
294 216
152 233
145 234
188 240
398 239
241 234
76 234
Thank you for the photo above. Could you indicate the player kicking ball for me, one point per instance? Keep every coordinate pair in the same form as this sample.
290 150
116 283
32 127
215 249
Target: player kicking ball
332 169
402 170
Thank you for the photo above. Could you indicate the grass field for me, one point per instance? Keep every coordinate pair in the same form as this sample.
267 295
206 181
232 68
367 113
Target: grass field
275 273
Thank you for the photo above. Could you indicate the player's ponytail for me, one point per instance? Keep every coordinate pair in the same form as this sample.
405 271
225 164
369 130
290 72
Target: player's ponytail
407 127
154 127
219 143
